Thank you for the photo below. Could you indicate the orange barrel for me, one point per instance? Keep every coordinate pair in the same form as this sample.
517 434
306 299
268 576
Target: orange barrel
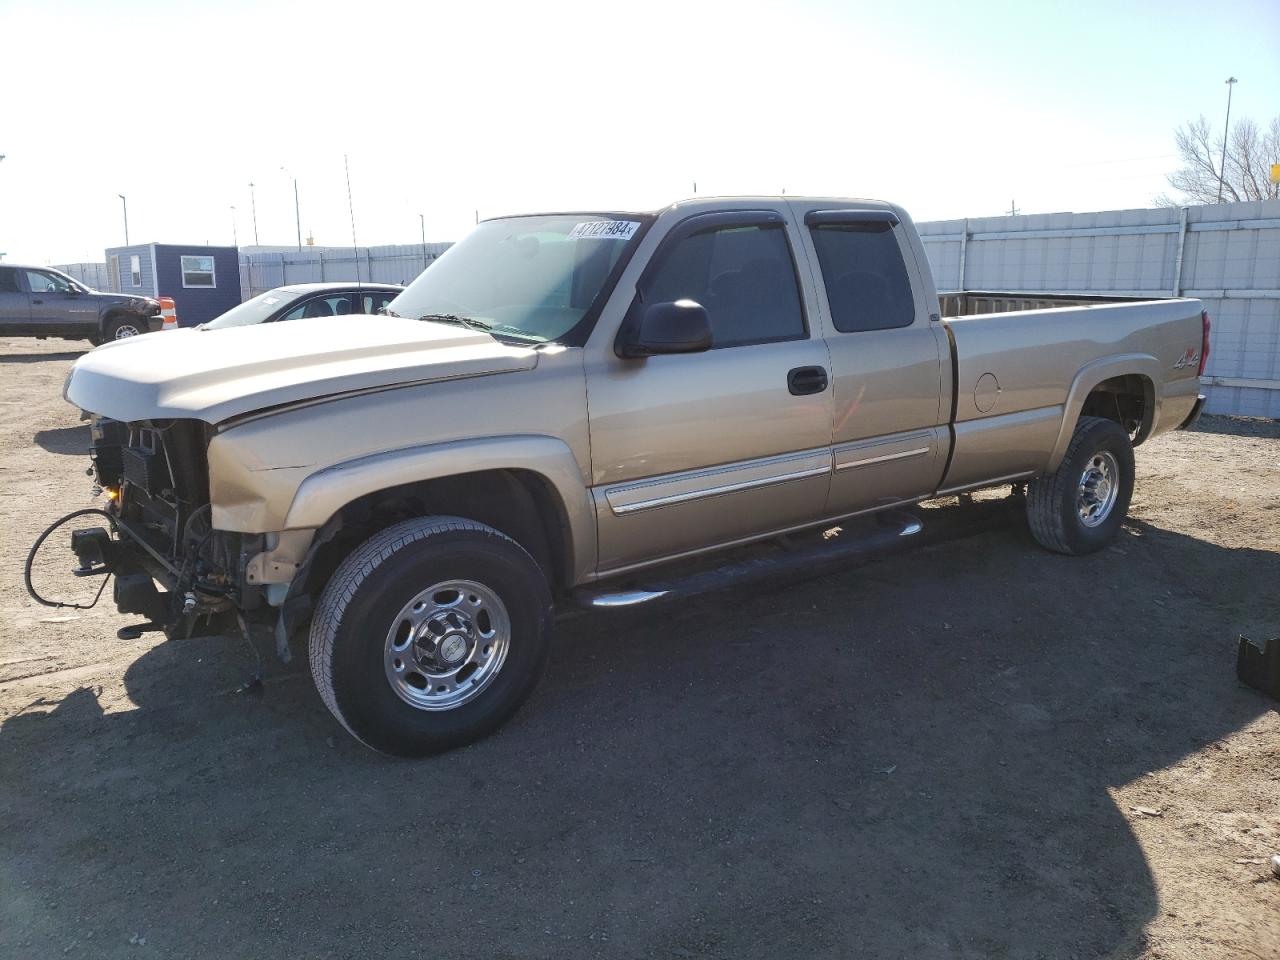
168 312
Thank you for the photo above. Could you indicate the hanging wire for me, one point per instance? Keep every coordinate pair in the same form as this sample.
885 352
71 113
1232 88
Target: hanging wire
35 548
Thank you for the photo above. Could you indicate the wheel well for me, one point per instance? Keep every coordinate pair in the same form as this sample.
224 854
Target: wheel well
520 503
1128 399
109 316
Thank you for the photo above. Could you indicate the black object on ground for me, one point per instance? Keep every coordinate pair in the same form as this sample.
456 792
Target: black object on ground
136 630
1258 664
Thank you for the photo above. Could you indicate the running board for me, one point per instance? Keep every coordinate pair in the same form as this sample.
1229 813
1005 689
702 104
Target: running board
888 531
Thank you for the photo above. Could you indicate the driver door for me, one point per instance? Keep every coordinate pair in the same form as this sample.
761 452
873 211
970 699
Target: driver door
696 450
57 308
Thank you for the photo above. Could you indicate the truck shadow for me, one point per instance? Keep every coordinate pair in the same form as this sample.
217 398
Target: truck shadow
68 440
909 758
43 357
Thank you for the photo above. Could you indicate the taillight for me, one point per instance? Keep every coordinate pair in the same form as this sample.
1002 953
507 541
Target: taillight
1204 341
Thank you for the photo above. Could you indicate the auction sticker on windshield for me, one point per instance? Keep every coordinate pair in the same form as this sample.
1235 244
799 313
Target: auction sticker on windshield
604 230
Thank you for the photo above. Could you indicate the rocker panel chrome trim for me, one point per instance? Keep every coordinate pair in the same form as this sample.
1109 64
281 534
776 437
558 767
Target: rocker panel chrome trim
717 481
865 461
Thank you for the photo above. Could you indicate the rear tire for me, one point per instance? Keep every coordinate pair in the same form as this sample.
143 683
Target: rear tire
1079 507
430 635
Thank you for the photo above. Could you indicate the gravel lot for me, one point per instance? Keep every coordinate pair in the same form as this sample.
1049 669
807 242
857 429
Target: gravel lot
976 749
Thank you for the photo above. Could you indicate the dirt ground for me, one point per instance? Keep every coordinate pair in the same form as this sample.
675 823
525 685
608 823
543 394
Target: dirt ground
976 749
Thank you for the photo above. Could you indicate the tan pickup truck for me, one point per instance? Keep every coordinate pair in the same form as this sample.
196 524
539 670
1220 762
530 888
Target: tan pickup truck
561 404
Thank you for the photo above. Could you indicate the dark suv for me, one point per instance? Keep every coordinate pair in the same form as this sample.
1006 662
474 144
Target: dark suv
42 302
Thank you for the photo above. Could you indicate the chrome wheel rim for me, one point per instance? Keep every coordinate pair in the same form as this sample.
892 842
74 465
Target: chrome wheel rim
126 330
446 645
1099 487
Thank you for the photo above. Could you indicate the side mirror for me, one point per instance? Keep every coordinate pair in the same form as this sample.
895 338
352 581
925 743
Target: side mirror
681 326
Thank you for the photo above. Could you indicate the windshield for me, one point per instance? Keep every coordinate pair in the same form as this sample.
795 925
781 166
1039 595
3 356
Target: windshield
251 311
533 278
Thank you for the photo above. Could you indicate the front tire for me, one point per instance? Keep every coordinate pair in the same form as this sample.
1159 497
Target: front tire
1079 507
122 328
430 635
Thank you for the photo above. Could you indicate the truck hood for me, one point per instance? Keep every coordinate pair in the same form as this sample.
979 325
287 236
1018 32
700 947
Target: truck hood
137 303
214 375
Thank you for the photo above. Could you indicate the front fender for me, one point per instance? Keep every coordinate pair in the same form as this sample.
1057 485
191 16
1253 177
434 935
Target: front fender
1092 374
325 492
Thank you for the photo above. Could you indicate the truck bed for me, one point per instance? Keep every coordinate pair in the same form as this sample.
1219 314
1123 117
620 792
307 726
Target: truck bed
1020 379
963 303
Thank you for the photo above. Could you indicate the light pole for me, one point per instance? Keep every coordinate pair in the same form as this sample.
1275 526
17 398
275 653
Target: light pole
1222 169
235 234
125 204
253 202
297 215
422 222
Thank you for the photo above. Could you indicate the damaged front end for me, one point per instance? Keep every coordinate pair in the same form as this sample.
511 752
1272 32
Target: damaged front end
169 564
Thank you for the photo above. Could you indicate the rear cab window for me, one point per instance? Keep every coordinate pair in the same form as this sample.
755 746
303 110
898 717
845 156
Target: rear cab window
866 279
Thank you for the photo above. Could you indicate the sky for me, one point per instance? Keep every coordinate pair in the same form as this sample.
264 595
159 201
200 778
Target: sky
446 110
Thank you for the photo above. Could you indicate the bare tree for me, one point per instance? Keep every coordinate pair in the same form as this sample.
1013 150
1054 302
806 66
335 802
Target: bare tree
1250 154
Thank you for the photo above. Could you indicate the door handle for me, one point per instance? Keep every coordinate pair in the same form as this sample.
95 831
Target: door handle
806 380
37 301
